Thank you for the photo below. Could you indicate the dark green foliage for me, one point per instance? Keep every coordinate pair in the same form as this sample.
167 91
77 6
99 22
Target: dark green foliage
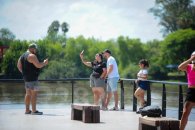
6 36
9 64
178 46
174 14
64 61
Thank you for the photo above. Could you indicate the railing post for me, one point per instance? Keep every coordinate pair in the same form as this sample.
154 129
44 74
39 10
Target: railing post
72 82
180 111
164 101
134 98
122 95
148 94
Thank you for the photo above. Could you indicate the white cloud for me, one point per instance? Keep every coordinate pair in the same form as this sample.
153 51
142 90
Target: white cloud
100 19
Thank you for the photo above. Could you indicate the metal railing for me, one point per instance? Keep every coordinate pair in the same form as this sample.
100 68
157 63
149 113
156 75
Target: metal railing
131 81
164 95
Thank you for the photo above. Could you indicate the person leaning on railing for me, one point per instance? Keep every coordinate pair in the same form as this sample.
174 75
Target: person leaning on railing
189 67
142 76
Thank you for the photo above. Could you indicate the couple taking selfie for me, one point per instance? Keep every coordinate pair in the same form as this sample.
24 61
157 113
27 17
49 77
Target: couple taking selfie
101 72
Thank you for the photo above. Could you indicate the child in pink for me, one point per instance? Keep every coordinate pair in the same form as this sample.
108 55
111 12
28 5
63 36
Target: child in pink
189 67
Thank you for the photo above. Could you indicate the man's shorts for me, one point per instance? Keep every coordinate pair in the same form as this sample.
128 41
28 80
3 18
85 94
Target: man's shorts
112 84
33 85
97 82
190 96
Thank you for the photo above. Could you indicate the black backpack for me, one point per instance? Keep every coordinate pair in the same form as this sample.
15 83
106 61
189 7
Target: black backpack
151 111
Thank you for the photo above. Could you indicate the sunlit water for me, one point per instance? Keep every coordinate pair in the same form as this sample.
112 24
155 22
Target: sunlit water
53 95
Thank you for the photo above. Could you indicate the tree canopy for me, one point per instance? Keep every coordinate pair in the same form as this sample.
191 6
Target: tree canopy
174 14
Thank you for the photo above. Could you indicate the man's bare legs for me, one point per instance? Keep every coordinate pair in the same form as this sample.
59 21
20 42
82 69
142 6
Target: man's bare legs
27 100
34 100
30 98
108 97
116 99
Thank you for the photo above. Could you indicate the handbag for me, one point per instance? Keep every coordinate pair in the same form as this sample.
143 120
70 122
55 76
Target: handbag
95 74
151 111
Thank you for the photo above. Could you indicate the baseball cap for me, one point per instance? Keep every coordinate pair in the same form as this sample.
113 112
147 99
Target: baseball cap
32 45
107 51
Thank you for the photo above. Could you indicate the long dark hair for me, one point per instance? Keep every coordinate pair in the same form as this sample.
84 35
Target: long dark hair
101 57
144 62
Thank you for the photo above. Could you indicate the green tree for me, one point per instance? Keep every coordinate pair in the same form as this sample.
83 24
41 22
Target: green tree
59 69
53 32
6 36
65 27
9 64
174 14
153 54
131 51
178 46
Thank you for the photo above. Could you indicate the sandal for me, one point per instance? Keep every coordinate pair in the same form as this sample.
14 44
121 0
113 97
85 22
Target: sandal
29 112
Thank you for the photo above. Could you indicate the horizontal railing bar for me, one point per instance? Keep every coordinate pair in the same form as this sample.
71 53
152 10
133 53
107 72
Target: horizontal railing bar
76 79
154 81
66 79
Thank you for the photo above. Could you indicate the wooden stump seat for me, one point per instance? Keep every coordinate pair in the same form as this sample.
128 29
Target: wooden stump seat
85 112
160 123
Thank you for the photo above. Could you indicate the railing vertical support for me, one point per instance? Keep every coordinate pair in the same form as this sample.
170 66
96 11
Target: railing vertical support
72 82
180 102
148 94
164 99
134 98
122 106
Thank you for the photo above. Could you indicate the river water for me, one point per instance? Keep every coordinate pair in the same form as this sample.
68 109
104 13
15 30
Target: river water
53 95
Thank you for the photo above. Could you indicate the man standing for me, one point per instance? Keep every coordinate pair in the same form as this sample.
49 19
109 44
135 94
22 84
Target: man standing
113 77
29 66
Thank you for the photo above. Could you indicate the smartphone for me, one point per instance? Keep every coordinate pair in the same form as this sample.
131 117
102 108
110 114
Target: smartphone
82 52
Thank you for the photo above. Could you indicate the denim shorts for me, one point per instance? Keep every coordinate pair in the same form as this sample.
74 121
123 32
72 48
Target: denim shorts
33 85
97 82
112 84
143 84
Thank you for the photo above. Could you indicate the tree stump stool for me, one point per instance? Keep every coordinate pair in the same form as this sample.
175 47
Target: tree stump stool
85 112
160 123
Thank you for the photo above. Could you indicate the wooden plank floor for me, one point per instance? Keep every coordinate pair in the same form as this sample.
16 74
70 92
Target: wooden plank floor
60 119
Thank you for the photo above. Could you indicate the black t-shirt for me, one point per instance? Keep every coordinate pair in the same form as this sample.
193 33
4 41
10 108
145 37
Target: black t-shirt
98 67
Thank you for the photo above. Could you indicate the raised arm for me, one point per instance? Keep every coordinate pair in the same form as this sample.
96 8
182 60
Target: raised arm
33 59
183 65
87 63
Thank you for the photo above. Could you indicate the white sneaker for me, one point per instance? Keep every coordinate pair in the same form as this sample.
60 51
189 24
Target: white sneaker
104 108
114 109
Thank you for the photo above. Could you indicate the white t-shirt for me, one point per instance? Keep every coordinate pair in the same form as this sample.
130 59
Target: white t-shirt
142 72
114 72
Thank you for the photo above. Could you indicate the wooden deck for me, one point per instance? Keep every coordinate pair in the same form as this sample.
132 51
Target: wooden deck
60 119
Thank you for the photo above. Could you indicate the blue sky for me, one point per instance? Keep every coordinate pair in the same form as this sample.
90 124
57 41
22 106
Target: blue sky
101 19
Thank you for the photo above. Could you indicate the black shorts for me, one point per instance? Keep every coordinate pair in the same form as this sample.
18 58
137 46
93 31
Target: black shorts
190 96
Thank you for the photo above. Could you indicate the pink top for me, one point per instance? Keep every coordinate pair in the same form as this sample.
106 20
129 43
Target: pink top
190 75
